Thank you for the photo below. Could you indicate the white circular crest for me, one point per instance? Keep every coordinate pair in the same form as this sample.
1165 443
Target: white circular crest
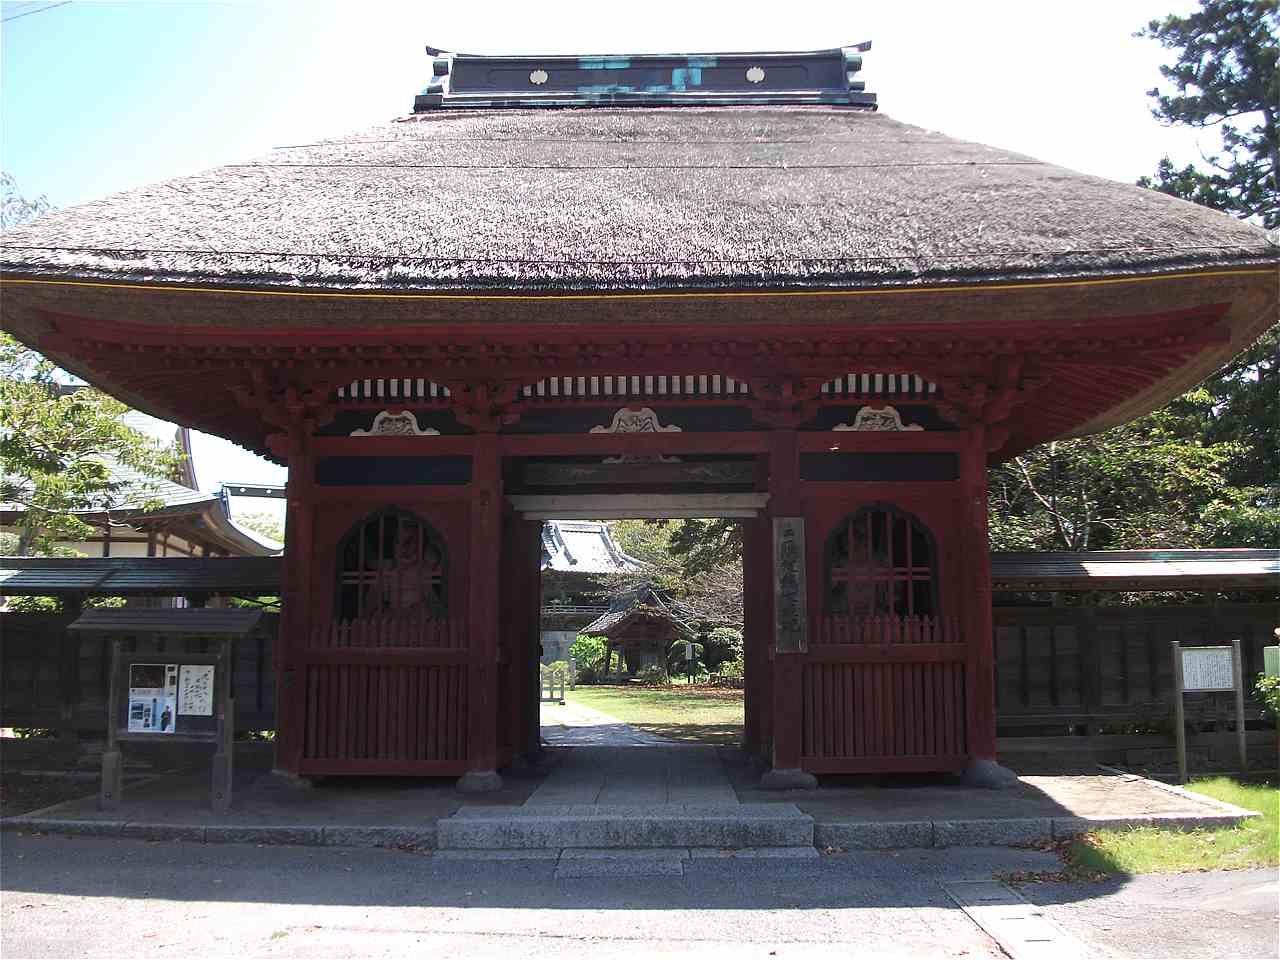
537 77
755 75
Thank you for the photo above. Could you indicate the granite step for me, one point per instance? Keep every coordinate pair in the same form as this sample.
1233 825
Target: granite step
598 826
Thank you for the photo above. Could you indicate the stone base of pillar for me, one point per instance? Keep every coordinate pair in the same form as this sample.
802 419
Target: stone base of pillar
788 780
292 779
989 775
479 781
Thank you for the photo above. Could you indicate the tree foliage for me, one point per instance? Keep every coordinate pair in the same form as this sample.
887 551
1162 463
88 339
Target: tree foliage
708 586
1224 75
15 209
1205 470
62 452
267 524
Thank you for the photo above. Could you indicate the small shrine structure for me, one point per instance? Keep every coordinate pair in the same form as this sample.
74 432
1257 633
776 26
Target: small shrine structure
647 286
578 559
639 628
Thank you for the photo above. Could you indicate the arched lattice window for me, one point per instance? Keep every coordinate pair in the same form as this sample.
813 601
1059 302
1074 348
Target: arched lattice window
881 562
391 563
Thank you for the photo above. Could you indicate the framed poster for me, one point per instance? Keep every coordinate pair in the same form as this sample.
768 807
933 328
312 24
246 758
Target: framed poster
153 697
195 690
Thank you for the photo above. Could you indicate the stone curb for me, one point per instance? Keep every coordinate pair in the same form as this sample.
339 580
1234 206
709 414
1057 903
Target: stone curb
312 836
872 835
850 835
993 832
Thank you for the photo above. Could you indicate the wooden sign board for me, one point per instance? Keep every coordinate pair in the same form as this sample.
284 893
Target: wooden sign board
790 614
1206 669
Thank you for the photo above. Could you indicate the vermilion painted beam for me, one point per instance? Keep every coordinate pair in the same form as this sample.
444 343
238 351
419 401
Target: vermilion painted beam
606 444
851 441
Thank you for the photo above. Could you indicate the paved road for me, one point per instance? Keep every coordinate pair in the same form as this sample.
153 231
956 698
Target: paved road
90 897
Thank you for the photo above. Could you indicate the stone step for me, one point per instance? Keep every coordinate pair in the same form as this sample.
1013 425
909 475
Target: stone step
550 826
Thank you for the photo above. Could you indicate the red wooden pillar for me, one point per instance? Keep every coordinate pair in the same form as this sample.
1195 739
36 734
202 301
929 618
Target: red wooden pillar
295 605
788 665
484 577
756 589
523 617
983 770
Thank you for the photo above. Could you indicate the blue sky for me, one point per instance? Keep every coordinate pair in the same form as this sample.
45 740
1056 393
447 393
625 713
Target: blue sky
98 97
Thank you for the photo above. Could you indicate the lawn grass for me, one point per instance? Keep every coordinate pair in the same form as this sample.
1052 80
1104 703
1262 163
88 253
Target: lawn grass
1254 843
684 714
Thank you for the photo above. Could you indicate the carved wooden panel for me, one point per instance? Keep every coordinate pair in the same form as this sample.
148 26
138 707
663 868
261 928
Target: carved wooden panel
790 613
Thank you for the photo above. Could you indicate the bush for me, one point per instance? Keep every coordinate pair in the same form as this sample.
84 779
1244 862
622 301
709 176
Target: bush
731 675
559 670
1268 691
721 645
653 676
588 651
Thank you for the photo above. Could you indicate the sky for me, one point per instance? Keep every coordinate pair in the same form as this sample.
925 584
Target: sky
99 97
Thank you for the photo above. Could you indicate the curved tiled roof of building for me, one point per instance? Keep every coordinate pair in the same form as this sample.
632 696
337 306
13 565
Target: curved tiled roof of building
583 546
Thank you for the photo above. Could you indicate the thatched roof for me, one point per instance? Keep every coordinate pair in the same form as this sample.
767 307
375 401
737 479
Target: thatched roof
631 198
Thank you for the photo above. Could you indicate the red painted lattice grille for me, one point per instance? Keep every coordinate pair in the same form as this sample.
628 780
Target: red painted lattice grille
880 562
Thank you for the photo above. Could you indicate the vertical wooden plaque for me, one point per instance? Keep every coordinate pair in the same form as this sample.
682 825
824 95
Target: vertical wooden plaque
790 617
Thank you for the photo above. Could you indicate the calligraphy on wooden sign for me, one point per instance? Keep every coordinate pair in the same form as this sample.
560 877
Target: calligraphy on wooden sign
791 621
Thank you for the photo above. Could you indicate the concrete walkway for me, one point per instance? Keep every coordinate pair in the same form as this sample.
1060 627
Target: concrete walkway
614 775
575 725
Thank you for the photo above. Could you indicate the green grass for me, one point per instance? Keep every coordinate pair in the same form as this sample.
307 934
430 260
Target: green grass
1254 843
689 715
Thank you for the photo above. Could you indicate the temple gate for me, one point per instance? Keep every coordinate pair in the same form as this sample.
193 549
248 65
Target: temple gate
719 285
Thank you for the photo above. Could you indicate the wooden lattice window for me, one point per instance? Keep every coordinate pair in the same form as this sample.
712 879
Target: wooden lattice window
391 564
881 562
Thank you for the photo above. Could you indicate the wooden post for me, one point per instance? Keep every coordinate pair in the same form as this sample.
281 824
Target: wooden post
1179 712
295 609
785 501
69 674
1237 681
980 662
224 754
530 559
111 793
484 565
752 703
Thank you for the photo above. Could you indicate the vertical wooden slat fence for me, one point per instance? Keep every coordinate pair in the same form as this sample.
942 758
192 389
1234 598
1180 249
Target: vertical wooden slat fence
884 693
386 695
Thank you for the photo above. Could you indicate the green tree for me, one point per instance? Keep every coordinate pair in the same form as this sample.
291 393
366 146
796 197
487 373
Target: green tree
706 589
1224 75
1203 471
267 524
15 209
66 451
1153 482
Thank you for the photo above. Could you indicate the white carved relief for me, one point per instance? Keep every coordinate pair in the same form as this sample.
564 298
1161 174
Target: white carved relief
878 419
636 420
400 424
